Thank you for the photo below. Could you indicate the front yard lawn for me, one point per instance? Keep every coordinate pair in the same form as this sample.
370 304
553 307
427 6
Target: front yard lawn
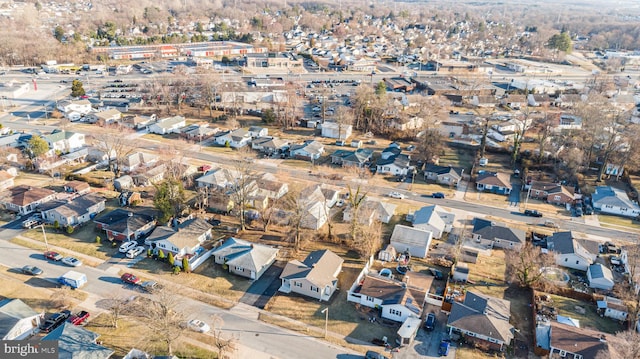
82 240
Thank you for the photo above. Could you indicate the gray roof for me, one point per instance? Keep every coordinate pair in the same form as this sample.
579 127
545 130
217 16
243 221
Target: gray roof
11 312
440 170
123 221
483 314
79 205
429 215
598 270
75 342
410 236
606 195
186 235
169 121
245 254
492 231
318 268
566 243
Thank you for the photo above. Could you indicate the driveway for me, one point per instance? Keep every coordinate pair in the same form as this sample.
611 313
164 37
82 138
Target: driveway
426 343
514 196
265 287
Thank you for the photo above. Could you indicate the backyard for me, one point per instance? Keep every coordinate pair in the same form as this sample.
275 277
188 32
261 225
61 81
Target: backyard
585 313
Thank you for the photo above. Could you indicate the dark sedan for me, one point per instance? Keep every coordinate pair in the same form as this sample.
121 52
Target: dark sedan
54 321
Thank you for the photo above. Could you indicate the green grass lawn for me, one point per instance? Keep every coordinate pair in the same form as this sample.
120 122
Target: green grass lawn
618 221
590 319
82 240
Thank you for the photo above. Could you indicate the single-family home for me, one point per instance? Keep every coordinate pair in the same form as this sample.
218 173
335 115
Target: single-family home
18 321
314 207
567 341
269 145
77 342
515 102
310 150
271 188
200 132
613 308
258 131
137 160
77 211
494 182
123 183
331 194
25 199
106 117
316 276
218 178
569 251
6 180
244 258
414 240
235 139
435 219
551 192
397 165
150 176
483 320
497 235
600 277
445 175
373 209
64 141
336 130
569 122
398 300
358 158
124 225
537 100
77 187
168 125
138 122
129 198
183 240
610 200
75 109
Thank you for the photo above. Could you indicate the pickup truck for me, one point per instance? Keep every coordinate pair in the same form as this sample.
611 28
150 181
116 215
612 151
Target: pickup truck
79 318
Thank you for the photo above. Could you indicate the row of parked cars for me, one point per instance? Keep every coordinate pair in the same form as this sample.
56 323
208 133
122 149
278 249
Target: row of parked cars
57 319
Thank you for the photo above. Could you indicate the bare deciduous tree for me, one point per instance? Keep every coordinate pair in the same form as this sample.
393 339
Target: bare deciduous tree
116 146
163 318
525 265
243 178
222 344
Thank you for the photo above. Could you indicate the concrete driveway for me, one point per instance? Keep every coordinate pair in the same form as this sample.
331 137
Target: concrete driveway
426 343
265 287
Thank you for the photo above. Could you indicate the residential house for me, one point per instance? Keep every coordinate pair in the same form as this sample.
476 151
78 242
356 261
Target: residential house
331 195
600 277
77 187
64 141
183 239
445 175
25 199
271 187
397 165
399 84
482 320
567 341
244 258
150 176
453 129
570 100
310 150
315 209
613 308
407 124
373 209
610 200
218 178
316 276
168 125
484 101
18 321
138 122
106 117
200 132
123 225
269 145
416 241
494 182
358 158
569 251
74 110
257 131
123 183
76 342
6 180
77 211
515 102
568 122
129 198
435 219
497 235
235 138
551 192
398 300
138 160
537 100
336 130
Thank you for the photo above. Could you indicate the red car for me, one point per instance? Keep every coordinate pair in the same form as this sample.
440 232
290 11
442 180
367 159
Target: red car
54 256
130 278
79 318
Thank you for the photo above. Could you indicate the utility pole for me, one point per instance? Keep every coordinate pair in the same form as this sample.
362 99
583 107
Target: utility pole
326 320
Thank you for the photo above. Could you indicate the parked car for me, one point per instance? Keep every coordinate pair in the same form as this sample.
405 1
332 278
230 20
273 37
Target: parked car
615 260
396 195
579 212
79 318
198 326
135 252
150 286
54 321
374 355
54 256
127 246
31 270
72 261
437 195
532 213
430 322
130 279
550 224
436 273
588 210
443 349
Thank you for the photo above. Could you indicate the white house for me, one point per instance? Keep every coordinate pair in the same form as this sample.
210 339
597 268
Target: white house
80 107
570 253
600 277
168 125
309 150
236 138
65 141
435 219
414 240
372 209
336 130
611 200
315 277
18 320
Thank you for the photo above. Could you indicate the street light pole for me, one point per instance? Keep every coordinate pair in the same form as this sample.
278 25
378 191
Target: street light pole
326 320
44 234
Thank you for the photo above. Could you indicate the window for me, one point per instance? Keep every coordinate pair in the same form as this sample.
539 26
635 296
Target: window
314 289
566 259
369 299
239 269
471 334
563 353
395 312
297 284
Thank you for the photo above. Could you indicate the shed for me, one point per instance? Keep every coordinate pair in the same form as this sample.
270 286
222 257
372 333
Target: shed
123 182
600 277
388 254
461 272
408 330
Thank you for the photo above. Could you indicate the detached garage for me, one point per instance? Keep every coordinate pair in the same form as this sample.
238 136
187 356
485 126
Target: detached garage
414 240
600 277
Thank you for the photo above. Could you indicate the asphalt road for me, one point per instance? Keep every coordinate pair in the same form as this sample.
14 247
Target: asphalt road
273 341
